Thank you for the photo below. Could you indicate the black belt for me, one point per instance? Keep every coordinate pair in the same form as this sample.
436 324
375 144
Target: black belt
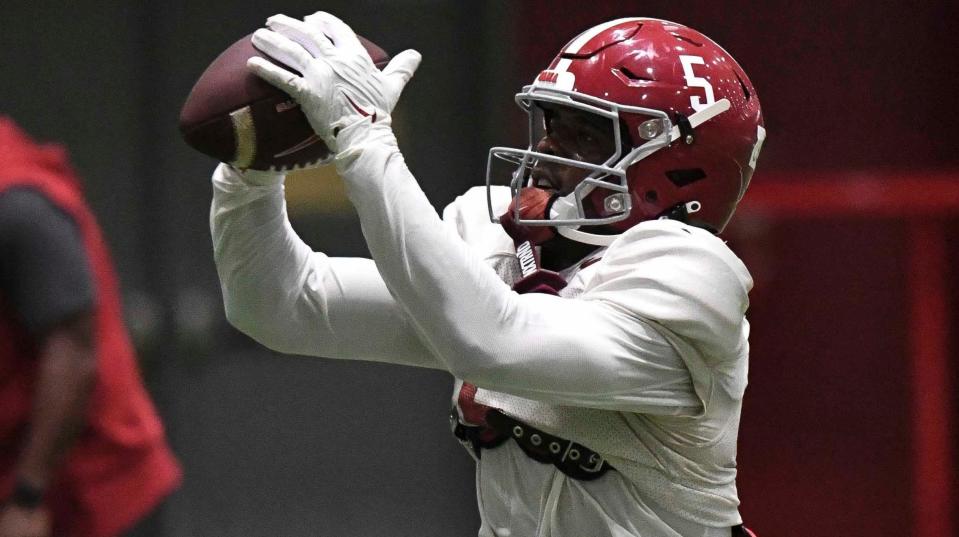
575 460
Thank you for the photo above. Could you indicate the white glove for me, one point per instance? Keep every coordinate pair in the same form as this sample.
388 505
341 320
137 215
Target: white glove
339 86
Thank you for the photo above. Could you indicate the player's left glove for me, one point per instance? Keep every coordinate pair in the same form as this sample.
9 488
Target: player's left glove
339 86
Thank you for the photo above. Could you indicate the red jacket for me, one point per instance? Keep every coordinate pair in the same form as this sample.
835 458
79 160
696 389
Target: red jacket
120 466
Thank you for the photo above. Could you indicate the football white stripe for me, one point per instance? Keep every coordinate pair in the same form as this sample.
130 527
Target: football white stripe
244 134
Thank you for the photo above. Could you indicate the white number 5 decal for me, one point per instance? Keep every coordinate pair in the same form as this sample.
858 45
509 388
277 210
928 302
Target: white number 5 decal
696 82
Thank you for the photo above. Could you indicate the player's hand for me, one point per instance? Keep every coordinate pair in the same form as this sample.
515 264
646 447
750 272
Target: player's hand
338 85
17 521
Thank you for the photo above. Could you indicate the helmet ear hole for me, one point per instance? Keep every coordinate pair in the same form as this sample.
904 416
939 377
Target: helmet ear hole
651 196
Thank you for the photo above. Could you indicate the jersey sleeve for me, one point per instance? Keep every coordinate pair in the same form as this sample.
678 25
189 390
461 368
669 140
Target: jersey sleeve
44 270
582 352
280 292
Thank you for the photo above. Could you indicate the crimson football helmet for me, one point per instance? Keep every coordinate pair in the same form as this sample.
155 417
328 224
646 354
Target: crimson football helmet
686 125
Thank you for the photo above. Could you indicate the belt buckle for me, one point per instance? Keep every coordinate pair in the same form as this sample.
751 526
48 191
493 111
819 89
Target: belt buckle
594 464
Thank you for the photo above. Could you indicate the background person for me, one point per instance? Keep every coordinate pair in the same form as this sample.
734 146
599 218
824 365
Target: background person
82 450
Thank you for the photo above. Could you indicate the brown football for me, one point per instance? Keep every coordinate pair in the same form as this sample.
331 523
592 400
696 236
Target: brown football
234 116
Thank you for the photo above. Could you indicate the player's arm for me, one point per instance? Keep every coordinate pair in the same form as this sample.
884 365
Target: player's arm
67 374
46 275
587 352
593 351
277 290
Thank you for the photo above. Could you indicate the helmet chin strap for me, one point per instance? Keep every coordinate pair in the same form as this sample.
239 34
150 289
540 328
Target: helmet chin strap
566 207
574 234
586 238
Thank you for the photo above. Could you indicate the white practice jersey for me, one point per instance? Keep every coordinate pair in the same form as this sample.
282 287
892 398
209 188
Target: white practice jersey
642 359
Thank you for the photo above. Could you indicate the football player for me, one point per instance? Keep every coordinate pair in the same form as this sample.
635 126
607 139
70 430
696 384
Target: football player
593 320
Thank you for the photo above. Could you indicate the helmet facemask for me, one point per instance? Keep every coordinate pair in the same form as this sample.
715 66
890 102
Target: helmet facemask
605 184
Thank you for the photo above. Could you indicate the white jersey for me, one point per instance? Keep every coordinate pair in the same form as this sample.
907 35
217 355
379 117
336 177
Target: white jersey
643 360
656 445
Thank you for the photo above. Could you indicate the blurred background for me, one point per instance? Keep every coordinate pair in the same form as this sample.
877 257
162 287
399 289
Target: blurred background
851 229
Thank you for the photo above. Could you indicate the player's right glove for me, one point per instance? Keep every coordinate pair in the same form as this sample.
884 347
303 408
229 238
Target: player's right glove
339 86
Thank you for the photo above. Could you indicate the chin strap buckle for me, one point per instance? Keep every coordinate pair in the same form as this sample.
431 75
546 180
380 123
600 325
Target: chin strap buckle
681 211
685 129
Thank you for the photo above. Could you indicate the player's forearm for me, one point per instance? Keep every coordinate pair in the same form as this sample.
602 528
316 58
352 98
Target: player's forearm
291 299
259 262
67 375
424 264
